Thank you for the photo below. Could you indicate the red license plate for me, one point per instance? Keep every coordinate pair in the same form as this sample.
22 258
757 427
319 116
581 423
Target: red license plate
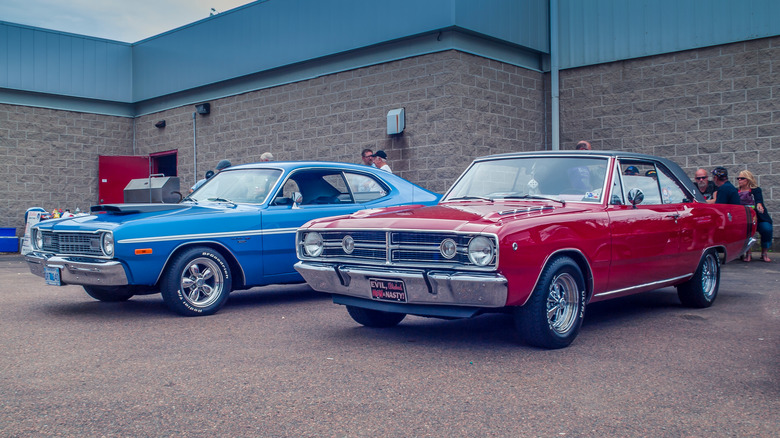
388 290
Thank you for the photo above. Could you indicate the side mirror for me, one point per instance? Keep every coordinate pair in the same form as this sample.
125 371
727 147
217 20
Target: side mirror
297 197
635 196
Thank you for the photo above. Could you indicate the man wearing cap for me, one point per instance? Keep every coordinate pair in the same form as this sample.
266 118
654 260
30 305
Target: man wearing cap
223 164
725 193
380 161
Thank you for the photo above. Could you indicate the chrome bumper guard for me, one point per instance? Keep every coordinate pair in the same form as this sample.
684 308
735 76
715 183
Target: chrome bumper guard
81 271
484 290
748 244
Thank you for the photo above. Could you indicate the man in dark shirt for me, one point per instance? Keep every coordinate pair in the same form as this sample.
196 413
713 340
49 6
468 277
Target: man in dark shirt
706 187
725 193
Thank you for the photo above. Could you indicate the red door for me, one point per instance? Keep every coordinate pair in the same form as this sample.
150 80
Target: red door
115 172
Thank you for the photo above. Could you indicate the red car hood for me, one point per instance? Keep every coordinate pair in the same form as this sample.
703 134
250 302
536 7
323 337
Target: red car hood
471 216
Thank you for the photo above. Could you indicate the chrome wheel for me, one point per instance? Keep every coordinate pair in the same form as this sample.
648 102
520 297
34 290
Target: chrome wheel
562 303
709 276
202 282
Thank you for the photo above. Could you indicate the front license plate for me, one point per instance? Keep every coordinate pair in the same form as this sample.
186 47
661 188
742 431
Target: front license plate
52 276
388 290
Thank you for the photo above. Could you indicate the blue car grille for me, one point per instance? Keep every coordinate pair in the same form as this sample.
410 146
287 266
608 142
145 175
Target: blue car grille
72 243
401 248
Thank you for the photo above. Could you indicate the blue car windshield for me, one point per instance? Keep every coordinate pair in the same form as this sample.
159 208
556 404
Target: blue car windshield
579 179
240 186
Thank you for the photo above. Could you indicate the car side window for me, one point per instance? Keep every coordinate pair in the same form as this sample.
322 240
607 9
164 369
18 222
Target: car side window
317 187
671 192
365 188
644 176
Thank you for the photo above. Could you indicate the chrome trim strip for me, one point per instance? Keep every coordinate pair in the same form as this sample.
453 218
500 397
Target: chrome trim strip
527 210
654 283
208 235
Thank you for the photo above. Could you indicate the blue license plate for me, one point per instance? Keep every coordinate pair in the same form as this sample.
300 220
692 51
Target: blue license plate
52 276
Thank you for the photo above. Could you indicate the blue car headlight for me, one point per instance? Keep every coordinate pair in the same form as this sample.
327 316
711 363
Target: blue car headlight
107 243
37 238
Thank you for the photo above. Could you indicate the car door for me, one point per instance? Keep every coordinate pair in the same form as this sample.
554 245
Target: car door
646 237
326 192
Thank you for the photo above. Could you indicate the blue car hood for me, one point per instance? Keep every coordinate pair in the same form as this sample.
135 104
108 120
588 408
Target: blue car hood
110 216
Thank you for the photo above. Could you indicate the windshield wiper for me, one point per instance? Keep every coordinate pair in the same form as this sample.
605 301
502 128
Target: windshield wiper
463 198
546 198
188 198
221 200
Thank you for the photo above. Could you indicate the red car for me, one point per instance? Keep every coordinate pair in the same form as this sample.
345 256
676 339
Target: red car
537 234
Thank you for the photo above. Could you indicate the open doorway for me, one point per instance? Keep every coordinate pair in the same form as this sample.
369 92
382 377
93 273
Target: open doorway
116 171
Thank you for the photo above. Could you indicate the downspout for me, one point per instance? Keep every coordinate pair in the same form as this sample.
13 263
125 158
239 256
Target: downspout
554 81
194 146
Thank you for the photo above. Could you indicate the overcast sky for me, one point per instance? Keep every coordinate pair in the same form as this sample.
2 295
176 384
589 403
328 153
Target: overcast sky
121 20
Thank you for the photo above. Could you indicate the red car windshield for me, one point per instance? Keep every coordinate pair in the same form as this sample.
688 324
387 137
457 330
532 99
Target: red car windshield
563 178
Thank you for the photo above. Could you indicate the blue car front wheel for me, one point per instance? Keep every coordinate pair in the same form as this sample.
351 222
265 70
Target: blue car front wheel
197 282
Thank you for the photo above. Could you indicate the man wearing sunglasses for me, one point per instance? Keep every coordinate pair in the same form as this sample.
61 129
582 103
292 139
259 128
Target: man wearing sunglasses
706 187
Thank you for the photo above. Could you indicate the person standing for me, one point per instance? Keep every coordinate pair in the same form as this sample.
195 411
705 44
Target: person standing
750 194
380 161
725 193
583 145
223 164
706 187
266 156
368 157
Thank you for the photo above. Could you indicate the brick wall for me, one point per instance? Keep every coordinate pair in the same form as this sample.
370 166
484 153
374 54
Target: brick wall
718 106
49 158
458 106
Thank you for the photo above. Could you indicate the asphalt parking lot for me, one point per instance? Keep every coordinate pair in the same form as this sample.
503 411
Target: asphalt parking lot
285 361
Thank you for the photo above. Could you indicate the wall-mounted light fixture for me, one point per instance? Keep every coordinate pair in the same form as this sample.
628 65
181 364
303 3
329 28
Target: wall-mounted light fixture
160 124
395 121
203 108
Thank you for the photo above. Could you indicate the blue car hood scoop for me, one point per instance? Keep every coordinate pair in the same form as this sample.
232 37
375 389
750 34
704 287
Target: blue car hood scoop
136 208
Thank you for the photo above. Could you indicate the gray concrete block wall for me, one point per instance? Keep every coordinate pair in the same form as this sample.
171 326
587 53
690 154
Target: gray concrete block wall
49 158
458 106
707 107
718 106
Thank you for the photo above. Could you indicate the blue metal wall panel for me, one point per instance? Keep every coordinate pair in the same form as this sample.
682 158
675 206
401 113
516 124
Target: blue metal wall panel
598 31
266 35
43 61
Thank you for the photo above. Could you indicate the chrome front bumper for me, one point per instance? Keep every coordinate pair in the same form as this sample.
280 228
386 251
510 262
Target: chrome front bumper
81 271
474 289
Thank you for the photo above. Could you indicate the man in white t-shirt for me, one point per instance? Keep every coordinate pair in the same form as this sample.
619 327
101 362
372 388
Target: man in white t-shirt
380 161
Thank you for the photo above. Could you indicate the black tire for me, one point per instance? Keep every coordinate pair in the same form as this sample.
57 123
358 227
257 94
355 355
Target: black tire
702 289
375 318
553 315
109 294
197 282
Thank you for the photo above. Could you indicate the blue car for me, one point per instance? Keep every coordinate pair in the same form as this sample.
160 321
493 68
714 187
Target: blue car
235 232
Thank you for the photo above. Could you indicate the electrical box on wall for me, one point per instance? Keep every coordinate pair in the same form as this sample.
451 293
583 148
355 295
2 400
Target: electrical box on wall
395 121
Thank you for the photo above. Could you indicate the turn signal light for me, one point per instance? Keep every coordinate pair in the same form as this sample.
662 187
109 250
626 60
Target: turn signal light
142 251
